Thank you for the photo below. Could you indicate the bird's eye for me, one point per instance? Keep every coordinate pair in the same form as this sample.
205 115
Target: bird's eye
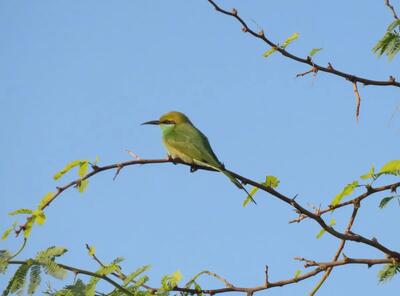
168 122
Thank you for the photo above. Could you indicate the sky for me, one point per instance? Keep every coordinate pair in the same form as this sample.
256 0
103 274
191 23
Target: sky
78 77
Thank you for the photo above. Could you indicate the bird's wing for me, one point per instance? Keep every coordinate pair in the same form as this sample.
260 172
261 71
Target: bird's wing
191 142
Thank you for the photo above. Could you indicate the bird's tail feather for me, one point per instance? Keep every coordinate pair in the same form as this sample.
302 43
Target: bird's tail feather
232 178
238 184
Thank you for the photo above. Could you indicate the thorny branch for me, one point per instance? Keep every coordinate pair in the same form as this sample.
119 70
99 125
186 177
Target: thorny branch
391 255
290 201
308 61
339 250
320 266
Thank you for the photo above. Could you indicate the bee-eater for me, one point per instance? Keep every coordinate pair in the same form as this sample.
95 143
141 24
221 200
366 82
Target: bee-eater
184 141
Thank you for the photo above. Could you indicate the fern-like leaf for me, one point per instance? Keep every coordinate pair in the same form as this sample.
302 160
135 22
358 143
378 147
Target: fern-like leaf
34 279
17 282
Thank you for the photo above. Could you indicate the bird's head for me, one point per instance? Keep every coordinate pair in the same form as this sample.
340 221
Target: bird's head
170 119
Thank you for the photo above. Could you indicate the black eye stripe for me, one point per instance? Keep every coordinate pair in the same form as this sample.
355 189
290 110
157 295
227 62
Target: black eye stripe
168 122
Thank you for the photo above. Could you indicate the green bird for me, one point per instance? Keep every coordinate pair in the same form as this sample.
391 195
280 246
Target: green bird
184 141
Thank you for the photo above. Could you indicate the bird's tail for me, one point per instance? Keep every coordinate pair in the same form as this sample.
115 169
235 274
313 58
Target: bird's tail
229 175
237 183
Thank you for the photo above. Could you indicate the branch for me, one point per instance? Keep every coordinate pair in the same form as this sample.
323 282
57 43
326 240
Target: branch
345 261
338 252
85 272
290 201
370 190
308 61
320 266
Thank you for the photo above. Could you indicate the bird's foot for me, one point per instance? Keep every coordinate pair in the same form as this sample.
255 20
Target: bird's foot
193 168
174 160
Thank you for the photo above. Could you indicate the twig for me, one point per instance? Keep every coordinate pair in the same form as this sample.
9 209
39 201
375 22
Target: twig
358 100
338 252
370 191
390 6
312 70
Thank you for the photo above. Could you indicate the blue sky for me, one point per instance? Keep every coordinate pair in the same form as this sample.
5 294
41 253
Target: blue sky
78 78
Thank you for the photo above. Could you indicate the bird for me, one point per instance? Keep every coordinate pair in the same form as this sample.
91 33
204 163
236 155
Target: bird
184 141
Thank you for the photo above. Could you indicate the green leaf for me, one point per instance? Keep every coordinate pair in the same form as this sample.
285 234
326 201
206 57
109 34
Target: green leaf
347 190
90 288
270 181
28 227
4 257
51 253
322 231
92 250
384 202
66 169
7 232
314 51
21 211
76 289
130 277
370 174
290 39
104 270
393 25
82 185
40 217
83 167
389 45
96 160
169 282
34 279
297 273
45 200
388 272
141 281
17 282
47 257
392 168
269 52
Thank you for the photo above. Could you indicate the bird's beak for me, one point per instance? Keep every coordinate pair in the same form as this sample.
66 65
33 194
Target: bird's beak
154 122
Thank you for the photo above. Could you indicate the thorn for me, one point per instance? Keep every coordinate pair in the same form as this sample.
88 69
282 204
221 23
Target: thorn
330 67
345 258
392 79
261 33
119 168
244 29
234 11
266 275
135 156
